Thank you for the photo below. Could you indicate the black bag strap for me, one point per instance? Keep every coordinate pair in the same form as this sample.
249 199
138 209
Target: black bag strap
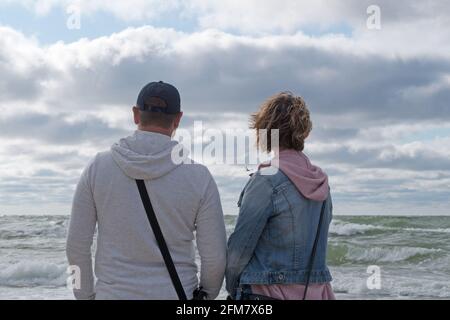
160 240
314 249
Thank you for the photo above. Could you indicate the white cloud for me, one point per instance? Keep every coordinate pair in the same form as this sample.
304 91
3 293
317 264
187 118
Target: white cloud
237 70
253 15
408 28
373 98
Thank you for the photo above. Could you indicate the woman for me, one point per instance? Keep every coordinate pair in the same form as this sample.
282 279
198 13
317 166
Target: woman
285 206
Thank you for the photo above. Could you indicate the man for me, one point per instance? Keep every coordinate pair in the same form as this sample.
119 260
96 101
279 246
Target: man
128 261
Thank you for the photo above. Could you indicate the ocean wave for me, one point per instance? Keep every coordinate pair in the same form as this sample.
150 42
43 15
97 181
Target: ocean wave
395 284
52 229
437 230
340 228
30 274
380 254
349 229
340 254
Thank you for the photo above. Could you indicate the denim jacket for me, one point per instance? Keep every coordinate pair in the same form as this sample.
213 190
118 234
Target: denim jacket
274 235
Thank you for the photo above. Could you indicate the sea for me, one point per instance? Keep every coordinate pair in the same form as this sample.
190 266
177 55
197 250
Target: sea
370 257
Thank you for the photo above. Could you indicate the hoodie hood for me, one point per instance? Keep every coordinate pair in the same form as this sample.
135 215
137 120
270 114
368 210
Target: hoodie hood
309 179
145 155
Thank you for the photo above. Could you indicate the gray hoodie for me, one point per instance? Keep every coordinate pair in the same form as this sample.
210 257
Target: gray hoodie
128 263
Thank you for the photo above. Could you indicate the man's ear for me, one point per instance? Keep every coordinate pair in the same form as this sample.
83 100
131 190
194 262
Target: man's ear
136 115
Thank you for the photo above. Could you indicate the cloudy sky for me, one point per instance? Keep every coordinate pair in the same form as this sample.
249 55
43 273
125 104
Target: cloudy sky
379 98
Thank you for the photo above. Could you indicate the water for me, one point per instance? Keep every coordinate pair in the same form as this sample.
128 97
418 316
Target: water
413 254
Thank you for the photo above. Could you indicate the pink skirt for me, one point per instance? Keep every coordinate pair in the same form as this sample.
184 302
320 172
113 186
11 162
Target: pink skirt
295 291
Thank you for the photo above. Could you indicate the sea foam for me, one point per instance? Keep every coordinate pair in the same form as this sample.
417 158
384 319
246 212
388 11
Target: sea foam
384 254
349 229
28 274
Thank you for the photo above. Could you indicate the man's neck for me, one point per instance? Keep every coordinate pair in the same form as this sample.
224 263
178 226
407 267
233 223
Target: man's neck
166 132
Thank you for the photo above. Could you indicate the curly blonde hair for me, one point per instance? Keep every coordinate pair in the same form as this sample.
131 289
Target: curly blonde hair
287 113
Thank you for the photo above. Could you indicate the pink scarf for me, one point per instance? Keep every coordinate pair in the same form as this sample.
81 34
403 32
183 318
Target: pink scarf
309 179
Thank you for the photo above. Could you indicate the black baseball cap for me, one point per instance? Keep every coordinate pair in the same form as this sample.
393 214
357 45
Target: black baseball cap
159 97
